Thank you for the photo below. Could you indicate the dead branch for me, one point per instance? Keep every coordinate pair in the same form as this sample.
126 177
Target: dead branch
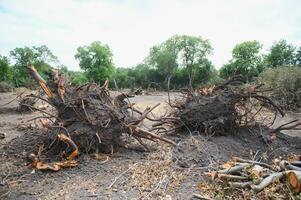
198 196
237 159
235 169
267 181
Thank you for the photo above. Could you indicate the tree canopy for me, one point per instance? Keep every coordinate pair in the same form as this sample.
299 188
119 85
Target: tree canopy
5 70
246 60
193 52
281 54
41 57
181 61
96 60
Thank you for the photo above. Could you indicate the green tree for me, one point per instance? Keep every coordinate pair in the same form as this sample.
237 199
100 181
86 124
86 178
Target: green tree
298 57
193 51
204 72
163 57
122 78
281 54
246 60
140 74
75 77
96 61
41 57
5 69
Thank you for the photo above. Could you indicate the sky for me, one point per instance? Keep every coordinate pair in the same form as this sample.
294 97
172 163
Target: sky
132 27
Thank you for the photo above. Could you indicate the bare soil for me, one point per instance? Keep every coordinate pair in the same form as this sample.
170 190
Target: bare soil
164 173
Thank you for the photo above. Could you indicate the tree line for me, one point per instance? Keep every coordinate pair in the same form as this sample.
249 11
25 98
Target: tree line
180 61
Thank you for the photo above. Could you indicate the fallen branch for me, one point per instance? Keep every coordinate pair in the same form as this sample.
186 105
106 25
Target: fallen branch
267 181
120 175
198 196
237 159
235 169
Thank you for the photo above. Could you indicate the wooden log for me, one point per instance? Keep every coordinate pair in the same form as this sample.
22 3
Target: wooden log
296 163
294 180
267 181
285 165
237 159
234 169
240 184
232 177
244 184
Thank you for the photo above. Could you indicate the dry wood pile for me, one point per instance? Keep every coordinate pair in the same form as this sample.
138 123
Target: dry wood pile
257 175
87 118
220 109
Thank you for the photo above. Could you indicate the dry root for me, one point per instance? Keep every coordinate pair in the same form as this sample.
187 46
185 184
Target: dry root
219 109
88 119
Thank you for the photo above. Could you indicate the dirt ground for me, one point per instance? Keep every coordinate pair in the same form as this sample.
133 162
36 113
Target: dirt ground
164 173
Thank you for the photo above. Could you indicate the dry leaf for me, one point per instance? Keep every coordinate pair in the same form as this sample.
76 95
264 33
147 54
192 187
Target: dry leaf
227 165
203 186
56 166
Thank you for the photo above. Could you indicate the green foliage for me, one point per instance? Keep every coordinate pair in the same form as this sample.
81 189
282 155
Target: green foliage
193 51
41 57
163 57
281 54
96 61
298 57
203 73
5 69
188 52
246 60
285 83
140 75
122 78
75 78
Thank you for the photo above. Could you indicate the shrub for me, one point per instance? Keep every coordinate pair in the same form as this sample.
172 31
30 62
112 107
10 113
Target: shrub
285 83
6 87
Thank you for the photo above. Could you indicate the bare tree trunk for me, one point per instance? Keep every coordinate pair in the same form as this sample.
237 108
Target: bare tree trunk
168 84
190 79
115 83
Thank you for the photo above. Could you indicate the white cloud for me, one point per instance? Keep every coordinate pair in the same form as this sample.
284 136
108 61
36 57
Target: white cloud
130 28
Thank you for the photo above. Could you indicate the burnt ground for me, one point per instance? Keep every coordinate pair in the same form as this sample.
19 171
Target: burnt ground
164 173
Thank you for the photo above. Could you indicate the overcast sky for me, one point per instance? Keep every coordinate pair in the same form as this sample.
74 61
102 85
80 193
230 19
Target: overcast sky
131 27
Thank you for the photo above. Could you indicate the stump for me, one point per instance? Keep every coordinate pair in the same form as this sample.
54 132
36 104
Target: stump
88 119
294 180
220 109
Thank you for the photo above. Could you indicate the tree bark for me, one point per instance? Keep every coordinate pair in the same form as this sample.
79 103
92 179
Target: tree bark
168 85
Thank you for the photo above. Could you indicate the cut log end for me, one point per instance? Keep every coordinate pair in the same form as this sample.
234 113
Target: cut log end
294 180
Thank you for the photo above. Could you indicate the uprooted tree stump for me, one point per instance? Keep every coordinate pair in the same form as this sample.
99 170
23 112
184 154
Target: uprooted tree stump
219 109
88 119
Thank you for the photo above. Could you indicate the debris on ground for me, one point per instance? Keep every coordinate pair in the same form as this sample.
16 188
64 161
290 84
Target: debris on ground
255 178
26 103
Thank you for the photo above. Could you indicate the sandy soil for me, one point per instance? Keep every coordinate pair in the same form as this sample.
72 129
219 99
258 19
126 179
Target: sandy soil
165 173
